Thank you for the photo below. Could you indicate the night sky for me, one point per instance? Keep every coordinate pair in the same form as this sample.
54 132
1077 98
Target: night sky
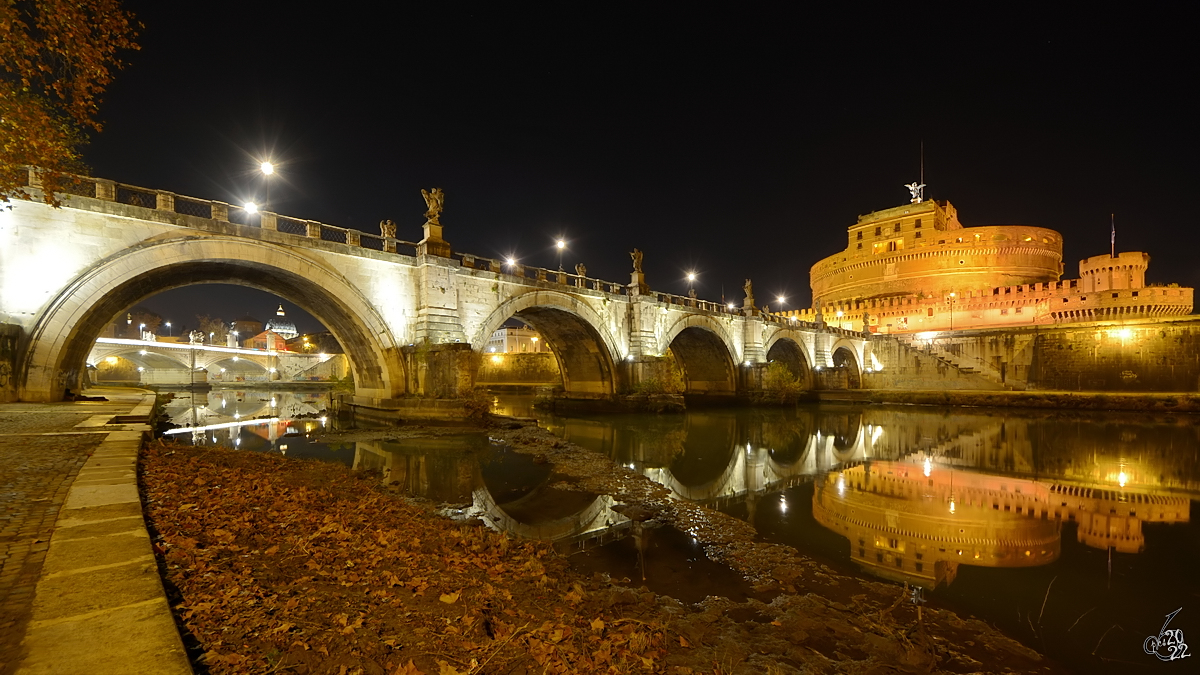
741 142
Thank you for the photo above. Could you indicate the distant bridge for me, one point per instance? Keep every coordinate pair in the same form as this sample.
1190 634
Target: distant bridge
276 365
409 315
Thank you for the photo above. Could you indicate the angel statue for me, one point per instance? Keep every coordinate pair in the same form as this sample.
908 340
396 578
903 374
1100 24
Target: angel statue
434 200
917 191
387 229
749 288
580 269
637 260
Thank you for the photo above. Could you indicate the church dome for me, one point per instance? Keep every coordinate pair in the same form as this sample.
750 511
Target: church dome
281 325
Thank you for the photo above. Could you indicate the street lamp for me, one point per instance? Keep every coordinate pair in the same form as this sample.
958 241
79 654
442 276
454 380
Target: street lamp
560 244
691 277
781 299
142 330
250 207
267 169
169 329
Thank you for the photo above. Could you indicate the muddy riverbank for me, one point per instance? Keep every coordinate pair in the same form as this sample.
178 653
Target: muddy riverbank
309 567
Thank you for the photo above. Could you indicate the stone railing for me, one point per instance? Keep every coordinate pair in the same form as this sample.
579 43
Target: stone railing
207 209
538 273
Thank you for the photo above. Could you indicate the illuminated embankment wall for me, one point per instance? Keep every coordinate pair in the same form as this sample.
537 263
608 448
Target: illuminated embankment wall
1130 357
519 369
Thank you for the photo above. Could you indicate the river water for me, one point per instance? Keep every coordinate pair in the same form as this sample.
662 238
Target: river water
1074 532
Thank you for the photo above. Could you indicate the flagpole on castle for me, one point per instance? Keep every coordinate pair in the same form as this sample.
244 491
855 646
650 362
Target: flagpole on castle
1113 238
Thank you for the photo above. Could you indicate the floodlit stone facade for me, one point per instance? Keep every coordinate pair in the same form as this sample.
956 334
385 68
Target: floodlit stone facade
915 268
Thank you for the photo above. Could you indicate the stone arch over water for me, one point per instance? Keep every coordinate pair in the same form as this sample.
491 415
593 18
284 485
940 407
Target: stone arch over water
790 353
577 335
63 336
703 350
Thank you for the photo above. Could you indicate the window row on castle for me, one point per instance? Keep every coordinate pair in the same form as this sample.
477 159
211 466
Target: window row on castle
895 228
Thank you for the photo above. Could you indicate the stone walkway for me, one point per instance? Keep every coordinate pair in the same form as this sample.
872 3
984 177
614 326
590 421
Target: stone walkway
79 588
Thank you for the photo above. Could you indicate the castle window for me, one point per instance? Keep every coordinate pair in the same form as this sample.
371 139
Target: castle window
1116 295
917 236
878 231
859 237
897 228
859 247
930 311
917 225
920 567
891 246
899 562
1135 294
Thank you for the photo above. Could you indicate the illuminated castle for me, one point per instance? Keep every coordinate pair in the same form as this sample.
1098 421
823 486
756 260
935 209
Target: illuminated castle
916 268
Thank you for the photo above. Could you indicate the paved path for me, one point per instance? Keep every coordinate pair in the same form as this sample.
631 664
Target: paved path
79 588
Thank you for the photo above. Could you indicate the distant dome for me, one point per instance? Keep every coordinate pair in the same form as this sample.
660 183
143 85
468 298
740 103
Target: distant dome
281 325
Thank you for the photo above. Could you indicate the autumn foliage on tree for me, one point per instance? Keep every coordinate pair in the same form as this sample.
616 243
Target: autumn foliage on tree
56 59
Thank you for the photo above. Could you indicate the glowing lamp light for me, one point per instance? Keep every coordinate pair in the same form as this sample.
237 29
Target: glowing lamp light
839 314
927 468
1122 479
560 244
250 207
730 305
142 352
496 358
780 299
691 276
110 360
510 261
267 168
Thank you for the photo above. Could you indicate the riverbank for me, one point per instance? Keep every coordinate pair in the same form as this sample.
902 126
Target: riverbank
1183 402
310 568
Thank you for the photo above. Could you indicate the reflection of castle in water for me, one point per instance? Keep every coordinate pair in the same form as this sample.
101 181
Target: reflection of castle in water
917 523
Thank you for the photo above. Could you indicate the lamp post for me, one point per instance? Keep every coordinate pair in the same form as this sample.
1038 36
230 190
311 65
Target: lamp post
267 169
560 244
169 334
691 283
952 296
141 331
781 299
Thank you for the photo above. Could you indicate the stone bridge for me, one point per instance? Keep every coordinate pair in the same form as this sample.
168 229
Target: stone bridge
411 316
203 357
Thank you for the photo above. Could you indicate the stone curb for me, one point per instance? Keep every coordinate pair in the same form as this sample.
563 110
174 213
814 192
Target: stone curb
99 606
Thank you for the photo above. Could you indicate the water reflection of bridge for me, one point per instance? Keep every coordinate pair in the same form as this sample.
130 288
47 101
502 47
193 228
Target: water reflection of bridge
997 492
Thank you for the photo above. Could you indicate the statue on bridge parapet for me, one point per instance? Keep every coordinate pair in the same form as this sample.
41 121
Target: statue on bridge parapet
433 243
196 337
748 303
435 201
637 280
387 229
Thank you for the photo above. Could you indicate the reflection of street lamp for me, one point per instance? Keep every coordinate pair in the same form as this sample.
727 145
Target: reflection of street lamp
952 296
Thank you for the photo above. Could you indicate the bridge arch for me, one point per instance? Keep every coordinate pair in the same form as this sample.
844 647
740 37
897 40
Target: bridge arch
848 355
792 353
577 335
63 335
704 351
